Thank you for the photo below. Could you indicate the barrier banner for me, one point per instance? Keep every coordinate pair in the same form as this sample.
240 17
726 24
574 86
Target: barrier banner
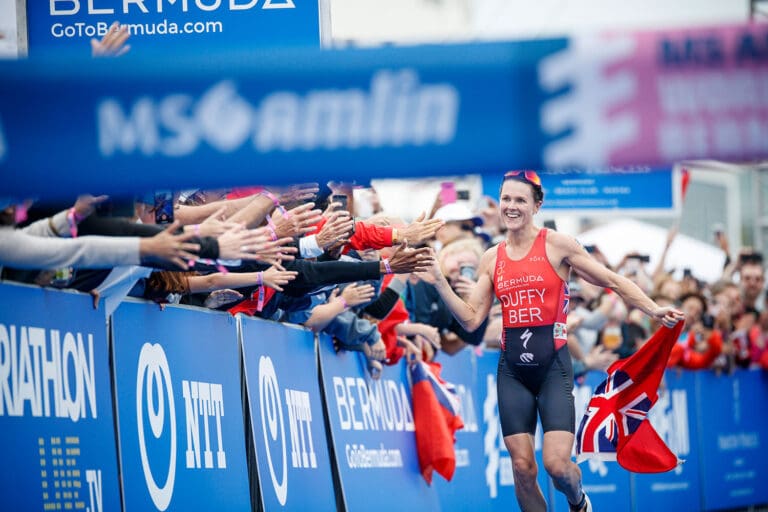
394 111
732 419
372 429
58 437
634 191
656 97
466 491
180 419
607 483
170 28
499 480
674 418
294 468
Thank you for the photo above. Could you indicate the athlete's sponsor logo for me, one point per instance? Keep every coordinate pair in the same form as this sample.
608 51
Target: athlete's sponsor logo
526 337
526 357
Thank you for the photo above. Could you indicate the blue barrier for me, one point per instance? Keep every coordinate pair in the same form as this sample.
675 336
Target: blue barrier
177 384
467 490
372 428
294 468
675 419
607 484
56 426
732 428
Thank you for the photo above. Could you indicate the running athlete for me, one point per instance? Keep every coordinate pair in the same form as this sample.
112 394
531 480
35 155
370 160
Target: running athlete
528 273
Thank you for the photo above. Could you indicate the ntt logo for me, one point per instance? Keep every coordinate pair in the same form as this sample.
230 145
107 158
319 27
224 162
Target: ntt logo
396 110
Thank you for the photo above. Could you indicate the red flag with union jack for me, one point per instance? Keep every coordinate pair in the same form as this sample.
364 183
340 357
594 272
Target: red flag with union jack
615 425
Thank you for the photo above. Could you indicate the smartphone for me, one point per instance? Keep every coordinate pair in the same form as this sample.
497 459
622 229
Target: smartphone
462 195
447 192
163 207
344 201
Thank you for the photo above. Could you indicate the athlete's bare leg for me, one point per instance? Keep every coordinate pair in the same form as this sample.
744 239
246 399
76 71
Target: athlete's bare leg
565 473
529 495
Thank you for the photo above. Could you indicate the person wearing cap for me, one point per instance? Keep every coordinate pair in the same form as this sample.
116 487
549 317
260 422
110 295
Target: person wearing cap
529 272
460 223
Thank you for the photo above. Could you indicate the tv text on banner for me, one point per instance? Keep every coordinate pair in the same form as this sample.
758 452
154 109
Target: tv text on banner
58 439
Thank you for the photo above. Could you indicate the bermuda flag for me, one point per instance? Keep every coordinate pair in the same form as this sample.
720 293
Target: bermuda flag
615 424
436 416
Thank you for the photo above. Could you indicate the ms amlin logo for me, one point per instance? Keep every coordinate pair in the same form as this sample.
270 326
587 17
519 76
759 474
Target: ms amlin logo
153 369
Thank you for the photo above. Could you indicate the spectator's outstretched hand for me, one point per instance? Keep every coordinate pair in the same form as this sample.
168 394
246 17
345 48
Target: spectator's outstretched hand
420 230
276 277
252 244
216 225
356 294
218 298
86 204
113 42
168 247
405 259
337 229
295 195
296 222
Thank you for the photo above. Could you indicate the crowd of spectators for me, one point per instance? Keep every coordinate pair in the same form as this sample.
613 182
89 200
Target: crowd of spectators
300 254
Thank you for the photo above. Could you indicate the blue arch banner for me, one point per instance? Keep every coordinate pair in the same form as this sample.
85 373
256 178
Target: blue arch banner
177 381
288 429
245 116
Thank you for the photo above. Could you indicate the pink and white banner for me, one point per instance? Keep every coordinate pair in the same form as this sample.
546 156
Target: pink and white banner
657 97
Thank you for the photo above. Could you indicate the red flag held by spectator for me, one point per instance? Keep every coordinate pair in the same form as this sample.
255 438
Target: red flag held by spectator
615 425
436 417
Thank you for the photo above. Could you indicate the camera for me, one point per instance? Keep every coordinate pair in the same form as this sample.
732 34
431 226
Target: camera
708 321
468 271
344 201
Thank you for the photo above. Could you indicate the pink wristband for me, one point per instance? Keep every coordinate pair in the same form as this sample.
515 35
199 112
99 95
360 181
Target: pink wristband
386 265
260 278
72 221
272 228
276 202
196 227
343 302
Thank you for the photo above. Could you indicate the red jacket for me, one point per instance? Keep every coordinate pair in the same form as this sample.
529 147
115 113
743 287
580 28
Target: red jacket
366 236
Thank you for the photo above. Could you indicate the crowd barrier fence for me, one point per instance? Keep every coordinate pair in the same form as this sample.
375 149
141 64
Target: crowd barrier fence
186 409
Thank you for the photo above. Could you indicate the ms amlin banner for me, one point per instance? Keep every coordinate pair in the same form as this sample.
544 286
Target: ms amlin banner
169 27
56 426
177 375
